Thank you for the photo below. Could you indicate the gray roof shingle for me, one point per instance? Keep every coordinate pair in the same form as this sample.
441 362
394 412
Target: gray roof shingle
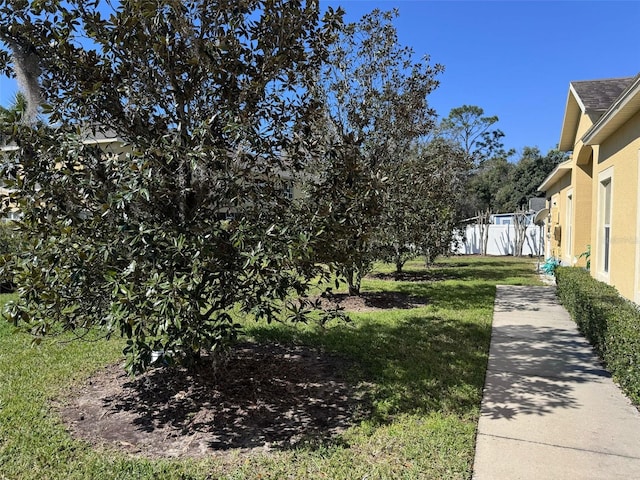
599 95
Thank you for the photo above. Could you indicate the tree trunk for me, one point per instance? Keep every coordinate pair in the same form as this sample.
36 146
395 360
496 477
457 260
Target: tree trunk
520 231
399 263
353 281
484 220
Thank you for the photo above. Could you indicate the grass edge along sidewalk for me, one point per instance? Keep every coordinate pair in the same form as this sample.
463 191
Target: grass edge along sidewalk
425 367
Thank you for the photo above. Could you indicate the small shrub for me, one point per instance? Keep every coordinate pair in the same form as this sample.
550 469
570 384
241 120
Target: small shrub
587 256
609 322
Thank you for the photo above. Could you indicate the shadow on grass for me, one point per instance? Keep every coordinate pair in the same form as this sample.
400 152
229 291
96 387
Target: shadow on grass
304 385
417 364
449 296
470 272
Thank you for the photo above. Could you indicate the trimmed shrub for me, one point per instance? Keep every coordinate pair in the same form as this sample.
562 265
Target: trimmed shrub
610 323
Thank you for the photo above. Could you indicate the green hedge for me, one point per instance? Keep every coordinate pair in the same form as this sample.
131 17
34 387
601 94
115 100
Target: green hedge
610 323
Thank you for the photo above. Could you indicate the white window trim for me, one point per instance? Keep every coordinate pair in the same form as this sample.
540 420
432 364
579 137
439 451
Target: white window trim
599 251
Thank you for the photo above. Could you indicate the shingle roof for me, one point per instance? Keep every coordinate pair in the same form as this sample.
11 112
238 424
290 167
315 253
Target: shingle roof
620 111
599 95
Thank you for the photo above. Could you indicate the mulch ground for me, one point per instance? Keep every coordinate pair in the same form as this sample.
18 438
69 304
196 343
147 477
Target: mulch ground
372 301
264 397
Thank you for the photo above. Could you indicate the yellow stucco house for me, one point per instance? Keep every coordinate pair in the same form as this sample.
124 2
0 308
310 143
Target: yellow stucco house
594 198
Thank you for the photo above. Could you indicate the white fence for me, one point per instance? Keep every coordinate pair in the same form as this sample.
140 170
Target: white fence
501 241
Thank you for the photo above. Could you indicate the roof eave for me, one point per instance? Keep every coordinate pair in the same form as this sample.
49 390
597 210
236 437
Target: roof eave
555 175
574 108
102 141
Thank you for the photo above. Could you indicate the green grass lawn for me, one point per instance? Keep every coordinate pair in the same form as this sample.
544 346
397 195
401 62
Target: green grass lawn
424 368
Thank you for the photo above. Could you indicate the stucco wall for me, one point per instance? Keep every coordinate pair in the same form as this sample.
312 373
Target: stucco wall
582 186
619 156
556 223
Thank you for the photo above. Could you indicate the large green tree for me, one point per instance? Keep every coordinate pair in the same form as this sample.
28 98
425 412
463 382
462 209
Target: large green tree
526 176
503 186
424 190
489 187
471 129
211 103
343 205
376 108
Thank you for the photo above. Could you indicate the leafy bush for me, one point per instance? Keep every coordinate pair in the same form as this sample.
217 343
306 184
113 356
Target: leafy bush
608 321
11 244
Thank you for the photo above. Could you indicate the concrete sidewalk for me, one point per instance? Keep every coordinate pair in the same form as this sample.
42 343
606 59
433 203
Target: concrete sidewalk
549 410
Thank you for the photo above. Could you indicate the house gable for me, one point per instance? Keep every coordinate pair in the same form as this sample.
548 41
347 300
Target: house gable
587 101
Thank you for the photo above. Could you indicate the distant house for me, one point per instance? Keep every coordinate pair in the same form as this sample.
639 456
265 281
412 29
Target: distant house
594 197
107 140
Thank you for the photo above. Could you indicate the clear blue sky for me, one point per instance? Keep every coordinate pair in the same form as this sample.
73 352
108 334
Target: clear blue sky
514 59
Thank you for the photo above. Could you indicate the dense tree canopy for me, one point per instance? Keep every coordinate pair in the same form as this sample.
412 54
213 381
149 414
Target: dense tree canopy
502 186
213 110
494 182
527 175
471 130
206 97
376 110
424 190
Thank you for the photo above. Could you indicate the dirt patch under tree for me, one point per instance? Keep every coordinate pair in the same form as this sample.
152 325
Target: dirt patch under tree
372 301
266 396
